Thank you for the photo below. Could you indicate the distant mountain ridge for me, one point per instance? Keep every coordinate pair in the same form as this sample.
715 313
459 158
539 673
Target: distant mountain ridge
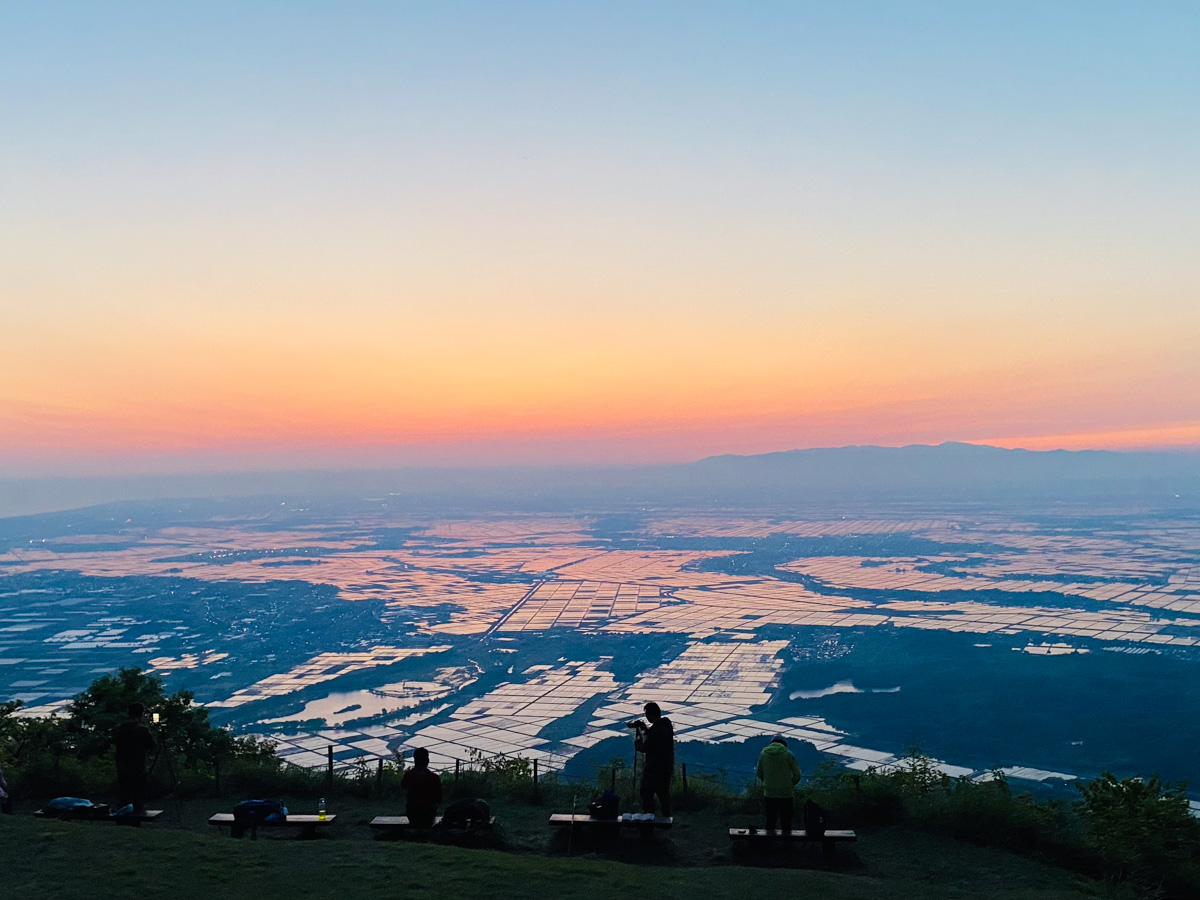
827 477
958 468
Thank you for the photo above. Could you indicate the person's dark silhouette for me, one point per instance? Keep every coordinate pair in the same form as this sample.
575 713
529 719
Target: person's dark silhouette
780 773
5 797
423 791
133 742
657 742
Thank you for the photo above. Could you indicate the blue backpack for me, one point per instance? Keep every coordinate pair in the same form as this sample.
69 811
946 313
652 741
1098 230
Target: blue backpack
69 804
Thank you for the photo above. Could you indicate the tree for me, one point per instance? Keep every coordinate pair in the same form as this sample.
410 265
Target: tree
1141 828
183 727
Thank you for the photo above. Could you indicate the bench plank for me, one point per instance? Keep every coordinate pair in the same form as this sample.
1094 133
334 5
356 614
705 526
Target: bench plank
562 820
307 825
294 821
828 841
794 835
85 815
398 823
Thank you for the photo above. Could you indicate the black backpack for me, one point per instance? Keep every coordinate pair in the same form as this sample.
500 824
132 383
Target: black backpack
814 819
252 813
605 807
467 815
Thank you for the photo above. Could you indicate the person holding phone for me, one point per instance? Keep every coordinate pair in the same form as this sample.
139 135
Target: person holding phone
133 742
657 742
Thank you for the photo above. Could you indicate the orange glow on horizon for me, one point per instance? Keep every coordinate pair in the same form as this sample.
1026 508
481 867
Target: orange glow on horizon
574 390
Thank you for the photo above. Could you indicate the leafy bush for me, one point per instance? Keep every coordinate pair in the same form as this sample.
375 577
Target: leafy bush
1141 829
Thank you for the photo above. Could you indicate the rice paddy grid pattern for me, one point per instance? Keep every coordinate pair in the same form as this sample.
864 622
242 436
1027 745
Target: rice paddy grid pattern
708 613
579 604
186 661
1107 557
310 750
388 704
635 565
323 667
736 673
506 530
495 559
713 712
902 574
761 527
358 576
487 735
474 619
507 720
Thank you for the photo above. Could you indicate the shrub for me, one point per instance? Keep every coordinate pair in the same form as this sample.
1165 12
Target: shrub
1141 829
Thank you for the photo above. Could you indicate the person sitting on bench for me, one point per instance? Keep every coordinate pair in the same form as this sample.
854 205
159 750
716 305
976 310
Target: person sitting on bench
133 742
423 790
779 773
657 742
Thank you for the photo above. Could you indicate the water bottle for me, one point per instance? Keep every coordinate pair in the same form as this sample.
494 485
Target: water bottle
321 809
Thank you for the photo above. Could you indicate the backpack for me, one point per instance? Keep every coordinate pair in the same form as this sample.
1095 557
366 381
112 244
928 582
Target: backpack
74 808
252 813
467 815
605 807
814 820
69 804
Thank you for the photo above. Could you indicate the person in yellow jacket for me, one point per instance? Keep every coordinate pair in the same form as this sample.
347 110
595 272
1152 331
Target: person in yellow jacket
779 773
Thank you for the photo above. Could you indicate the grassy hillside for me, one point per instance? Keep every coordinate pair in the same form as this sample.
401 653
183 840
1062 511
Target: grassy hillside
183 858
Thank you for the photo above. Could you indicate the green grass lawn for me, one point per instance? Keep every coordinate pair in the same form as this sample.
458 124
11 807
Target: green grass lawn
182 857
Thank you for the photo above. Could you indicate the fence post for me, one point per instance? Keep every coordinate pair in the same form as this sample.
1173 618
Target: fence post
457 768
329 766
684 766
535 762
379 776
613 784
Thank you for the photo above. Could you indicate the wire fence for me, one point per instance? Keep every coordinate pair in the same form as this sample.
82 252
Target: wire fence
545 767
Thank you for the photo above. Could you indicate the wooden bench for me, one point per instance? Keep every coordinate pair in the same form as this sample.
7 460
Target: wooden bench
306 825
101 814
400 825
829 840
566 820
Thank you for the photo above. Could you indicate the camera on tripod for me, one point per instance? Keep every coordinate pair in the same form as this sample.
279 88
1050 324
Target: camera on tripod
636 723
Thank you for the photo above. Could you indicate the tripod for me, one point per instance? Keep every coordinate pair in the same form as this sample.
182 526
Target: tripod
639 734
164 750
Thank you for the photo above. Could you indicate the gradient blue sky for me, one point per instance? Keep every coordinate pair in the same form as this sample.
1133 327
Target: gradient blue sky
297 233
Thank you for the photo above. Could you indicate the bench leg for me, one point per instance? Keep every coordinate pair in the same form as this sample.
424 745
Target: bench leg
828 848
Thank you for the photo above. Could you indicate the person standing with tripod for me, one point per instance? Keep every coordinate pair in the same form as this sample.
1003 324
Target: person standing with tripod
657 742
133 742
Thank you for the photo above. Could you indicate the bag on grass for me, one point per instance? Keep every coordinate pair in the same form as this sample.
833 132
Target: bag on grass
467 815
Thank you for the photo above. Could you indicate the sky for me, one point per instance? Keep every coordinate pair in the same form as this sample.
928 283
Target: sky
271 235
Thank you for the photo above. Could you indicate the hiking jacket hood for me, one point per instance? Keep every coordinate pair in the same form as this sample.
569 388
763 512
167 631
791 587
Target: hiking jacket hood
779 771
